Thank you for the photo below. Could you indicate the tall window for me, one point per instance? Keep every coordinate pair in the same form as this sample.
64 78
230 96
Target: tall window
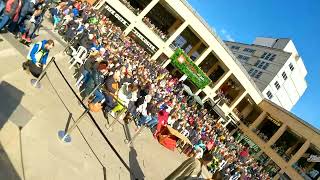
277 85
235 47
268 56
243 58
254 73
291 67
249 50
284 75
258 75
261 64
269 94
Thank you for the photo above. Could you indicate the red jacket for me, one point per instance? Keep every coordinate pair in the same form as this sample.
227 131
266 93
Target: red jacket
13 8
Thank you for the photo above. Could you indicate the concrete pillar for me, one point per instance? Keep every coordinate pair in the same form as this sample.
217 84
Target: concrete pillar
194 48
157 54
166 63
147 9
238 99
99 4
203 56
184 77
300 152
258 121
221 81
129 29
277 135
198 92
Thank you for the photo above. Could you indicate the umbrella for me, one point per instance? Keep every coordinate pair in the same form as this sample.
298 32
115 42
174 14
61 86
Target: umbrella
187 90
198 100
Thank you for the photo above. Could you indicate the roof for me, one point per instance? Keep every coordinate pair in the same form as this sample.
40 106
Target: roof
274 49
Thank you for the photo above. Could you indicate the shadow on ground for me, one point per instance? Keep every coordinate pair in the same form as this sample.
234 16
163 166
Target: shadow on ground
7 171
10 98
133 162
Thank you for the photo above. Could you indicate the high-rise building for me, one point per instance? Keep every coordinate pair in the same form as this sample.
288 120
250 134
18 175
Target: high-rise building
276 68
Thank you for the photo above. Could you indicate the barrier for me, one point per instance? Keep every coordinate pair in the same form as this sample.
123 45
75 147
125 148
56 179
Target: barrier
36 82
64 135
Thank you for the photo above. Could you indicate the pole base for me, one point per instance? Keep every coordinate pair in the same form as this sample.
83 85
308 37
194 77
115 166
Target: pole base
35 84
63 137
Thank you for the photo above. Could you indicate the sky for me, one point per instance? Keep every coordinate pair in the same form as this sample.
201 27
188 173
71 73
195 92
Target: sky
242 21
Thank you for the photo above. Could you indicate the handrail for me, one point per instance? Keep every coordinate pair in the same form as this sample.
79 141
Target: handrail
94 121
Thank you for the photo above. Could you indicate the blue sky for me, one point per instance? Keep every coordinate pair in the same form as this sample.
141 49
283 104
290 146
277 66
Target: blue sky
244 20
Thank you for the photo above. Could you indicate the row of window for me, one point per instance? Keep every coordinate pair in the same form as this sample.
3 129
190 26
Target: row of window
262 65
235 47
268 56
276 84
243 58
255 73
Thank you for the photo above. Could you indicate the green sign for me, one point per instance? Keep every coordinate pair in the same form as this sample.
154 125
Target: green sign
184 64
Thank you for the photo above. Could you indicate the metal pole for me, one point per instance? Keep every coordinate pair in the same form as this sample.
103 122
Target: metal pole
36 82
65 135
135 135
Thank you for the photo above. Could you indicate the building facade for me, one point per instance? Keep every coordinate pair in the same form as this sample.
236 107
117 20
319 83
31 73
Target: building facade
162 27
287 144
276 68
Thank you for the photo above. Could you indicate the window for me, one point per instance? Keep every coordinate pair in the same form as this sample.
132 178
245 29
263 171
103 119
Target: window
258 75
277 85
250 71
291 67
272 57
235 47
264 55
261 64
269 94
243 58
284 75
268 56
249 50
266 65
253 72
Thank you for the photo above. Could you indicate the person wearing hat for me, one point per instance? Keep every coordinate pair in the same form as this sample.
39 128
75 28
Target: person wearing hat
191 168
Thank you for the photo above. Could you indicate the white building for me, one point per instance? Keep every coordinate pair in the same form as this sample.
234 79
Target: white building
276 68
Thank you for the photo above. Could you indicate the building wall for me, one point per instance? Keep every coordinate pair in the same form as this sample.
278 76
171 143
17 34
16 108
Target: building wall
290 89
288 121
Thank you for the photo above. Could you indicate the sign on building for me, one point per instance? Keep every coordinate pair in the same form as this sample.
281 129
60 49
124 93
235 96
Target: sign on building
184 64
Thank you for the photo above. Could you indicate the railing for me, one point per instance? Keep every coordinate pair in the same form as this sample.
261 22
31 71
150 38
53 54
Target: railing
65 135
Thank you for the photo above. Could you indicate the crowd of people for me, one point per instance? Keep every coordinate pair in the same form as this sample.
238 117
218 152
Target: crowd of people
155 29
22 18
128 79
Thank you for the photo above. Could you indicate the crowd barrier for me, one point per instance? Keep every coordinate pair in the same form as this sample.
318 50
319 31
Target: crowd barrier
65 135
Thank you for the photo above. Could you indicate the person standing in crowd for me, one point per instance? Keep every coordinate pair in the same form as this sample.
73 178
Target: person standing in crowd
11 13
191 168
37 57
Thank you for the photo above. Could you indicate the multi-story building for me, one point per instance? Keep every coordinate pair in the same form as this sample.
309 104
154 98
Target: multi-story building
276 68
207 66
